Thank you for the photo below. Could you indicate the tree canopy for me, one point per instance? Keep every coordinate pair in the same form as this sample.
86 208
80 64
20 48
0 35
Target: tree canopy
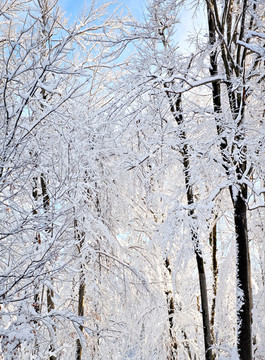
132 182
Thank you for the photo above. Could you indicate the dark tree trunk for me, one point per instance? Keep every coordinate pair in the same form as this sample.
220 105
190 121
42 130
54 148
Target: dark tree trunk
50 306
204 307
244 293
46 206
171 313
213 244
176 110
175 103
233 62
80 238
81 298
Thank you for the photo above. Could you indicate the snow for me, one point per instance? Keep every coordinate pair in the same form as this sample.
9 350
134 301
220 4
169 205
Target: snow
112 173
253 47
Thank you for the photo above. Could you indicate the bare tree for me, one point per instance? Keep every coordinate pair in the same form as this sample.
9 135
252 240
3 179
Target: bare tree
41 80
227 29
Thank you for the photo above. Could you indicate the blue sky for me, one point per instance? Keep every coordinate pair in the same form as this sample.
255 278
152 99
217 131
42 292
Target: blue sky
73 7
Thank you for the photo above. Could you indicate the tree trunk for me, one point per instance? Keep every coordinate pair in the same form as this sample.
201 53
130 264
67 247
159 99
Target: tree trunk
50 306
50 294
244 293
171 312
81 304
204 307
213 244
80 237
238 192
176 110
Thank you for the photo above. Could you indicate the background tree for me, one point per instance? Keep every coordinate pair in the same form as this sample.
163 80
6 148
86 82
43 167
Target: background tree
116 181
227 29
160 68
41 81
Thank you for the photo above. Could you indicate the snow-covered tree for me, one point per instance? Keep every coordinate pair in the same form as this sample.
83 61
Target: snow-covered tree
174 113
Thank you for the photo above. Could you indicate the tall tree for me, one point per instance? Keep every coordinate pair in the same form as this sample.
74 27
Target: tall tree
234 84
158 74
41 80
227 29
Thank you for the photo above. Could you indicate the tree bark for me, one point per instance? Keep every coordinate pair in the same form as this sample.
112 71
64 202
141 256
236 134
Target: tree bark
213 244
50 293
50 306
171 313
244 293
176 110
81 304
80 237
234 67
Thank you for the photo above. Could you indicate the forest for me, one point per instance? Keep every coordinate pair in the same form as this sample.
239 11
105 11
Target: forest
132 181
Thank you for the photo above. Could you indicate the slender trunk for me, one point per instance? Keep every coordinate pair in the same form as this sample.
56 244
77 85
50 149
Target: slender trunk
244 293
171 312
81 303
36 243
239 191
45 195
204 307
50 294
187 346
50 302
80 238
213 244
244 289
51 306
176 110
199 260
